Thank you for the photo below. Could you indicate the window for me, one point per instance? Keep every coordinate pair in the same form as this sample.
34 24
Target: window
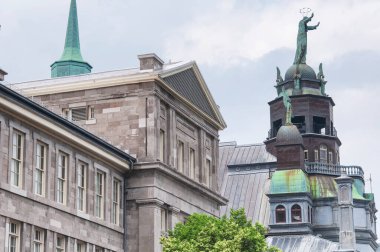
81 246
162 145
14 237
90 112
299 121
330 157
97 249
337 157
207 172
79 114
61 177
60 244
276 125
16 162
82 184
296 213
280 214
115 201
319 125
323 153
316 156
40 170
180 153
192 163
306 155
38 242
309 213
99 192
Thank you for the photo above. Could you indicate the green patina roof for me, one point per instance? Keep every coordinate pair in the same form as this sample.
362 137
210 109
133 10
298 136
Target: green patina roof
289 181
325 186
71 61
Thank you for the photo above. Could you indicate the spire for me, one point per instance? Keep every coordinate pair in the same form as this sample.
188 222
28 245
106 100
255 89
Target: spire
71 61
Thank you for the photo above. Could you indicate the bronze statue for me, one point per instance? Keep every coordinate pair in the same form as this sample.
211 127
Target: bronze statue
300 57
321 78
288 106
279 77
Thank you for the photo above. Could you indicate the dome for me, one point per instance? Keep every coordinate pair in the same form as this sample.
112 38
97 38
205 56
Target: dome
288 134
289 181
306 72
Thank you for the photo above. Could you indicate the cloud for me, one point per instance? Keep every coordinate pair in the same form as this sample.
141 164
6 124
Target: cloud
232 33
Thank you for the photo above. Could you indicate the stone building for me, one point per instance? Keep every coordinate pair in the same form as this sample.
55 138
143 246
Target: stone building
161 115
292 183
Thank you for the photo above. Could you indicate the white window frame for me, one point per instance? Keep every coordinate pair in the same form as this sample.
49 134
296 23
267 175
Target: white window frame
60 247
116 194
180 156
14 235
40 168
90 112
323 155
62 167
17 156
80 246
38 240
192 163
316 155
330 157
99 194
82 171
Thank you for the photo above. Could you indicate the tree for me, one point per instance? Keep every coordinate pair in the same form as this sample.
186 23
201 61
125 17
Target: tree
207 233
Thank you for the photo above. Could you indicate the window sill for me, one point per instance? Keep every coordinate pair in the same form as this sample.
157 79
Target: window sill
90 121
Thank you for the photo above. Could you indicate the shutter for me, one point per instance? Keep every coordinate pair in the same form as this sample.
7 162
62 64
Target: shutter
78 114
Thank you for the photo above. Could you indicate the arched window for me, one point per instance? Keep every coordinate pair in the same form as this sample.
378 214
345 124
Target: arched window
296 213
280 214
323 153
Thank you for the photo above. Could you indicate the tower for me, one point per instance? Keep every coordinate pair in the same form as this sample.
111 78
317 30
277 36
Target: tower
71 61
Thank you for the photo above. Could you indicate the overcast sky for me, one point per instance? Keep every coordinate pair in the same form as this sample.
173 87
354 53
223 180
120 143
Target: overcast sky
237 45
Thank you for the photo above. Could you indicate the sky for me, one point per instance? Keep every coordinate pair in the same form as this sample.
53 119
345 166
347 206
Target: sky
237 45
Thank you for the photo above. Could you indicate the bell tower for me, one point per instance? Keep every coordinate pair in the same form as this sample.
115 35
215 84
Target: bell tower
312 108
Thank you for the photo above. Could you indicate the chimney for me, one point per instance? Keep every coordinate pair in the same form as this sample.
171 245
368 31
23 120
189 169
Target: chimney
150 61
347 239
2 74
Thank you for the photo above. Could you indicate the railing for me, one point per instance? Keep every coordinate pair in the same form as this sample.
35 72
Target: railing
272 133
331 169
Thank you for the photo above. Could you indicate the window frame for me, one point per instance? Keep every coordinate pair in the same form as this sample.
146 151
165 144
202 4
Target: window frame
191 163
61 182
162 145
82 246
40 165
116 196
323 155
296 211
40 241
280 209
99 194
14 236
316 155
81 175
17 158
207 177
180 156
62 247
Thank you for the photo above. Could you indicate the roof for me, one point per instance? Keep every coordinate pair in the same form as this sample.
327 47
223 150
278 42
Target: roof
289 181
301 243
42 112
244 179
181 79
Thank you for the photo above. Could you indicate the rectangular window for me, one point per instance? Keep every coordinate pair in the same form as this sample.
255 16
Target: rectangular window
192 163
17 156
97 249
79 114
61 177
81 247
180 150
40 170
82 185
316 156
99 193
330 157
38 242
306 155
162 145
60 243
115 201
207 172
90 112
14 237
323 154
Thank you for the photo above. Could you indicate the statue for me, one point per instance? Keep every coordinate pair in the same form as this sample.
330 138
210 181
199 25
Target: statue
279 78
288 106
300 57
321 78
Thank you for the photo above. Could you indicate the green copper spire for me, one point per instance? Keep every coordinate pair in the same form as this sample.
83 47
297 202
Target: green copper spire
71 62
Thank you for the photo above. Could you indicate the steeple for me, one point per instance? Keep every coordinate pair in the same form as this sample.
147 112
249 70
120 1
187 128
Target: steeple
71 61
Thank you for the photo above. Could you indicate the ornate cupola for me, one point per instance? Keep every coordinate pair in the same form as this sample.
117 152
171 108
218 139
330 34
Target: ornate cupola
312 108
71 61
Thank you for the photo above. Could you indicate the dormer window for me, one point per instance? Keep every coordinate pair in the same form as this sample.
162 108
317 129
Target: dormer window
280 214
296 214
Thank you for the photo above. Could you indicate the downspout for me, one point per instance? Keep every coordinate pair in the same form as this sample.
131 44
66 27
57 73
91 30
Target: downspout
125 244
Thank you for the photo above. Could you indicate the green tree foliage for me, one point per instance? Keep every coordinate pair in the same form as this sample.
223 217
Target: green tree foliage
206 233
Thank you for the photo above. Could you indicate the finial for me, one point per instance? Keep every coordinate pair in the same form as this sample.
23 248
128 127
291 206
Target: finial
303 28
